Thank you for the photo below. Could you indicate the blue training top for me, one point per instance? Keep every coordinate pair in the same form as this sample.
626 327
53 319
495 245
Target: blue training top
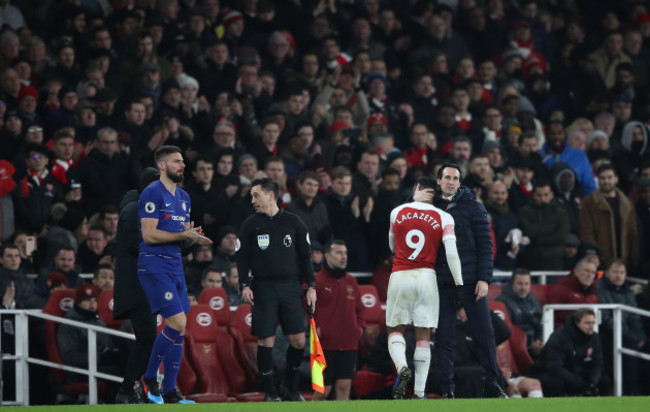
172 212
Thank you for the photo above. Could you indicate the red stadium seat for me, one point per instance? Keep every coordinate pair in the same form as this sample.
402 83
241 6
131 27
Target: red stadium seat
202 349
105 309
374 317
494 291
380 279
367 383
519 348
246 344
60 301
540 292
500 309
217 299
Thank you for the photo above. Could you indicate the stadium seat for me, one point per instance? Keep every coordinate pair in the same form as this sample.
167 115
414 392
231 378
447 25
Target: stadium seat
368 384
59 302
380 279
540 292
105 309
246 343
217 299
494 291
202 342
519 348
373 316
500 309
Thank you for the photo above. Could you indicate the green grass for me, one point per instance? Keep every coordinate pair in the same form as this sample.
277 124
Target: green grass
629 404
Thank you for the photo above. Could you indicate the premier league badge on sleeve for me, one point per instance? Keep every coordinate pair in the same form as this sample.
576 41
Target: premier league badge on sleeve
287 241
263 241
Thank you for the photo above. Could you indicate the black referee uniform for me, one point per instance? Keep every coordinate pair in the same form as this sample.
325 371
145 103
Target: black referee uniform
274 259
276 251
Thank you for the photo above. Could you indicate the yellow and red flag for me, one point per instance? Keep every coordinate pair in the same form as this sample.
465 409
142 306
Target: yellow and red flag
316 359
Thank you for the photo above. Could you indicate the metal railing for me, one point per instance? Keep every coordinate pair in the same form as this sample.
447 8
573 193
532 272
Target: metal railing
548 321
22 358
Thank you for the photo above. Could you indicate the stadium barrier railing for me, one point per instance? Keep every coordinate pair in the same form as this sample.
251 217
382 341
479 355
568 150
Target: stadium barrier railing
548 321
22 358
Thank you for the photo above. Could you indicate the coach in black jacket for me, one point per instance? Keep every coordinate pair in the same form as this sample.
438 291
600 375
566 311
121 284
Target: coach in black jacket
474 244
129 299
571 362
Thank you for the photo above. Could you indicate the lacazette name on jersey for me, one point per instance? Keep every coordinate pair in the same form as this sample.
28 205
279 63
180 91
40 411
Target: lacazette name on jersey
420 216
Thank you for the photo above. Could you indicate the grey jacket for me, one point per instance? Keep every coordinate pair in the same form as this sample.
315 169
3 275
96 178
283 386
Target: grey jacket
609 293
524 313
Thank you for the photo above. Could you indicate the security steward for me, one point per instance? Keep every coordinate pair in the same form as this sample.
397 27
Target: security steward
475 250
273 260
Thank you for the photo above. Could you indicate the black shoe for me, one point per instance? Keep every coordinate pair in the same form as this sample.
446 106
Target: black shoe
272 398
175 397
449 395
494 391
403 378
126 396
151 390
290 394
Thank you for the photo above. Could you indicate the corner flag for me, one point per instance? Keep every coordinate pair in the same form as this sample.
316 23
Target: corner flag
316 357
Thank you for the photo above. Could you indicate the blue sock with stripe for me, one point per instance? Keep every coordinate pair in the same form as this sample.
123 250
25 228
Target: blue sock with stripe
163 343
172 364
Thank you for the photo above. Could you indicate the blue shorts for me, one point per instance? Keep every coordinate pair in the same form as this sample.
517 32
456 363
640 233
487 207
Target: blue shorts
167 293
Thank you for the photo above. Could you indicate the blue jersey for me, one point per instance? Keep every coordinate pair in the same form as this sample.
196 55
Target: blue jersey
172 212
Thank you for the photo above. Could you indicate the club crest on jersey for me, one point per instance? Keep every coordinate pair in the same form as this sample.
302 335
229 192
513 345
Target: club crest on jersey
169 295
263 241
287 241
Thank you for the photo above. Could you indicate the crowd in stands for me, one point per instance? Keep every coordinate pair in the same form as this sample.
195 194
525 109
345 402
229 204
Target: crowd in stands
545 106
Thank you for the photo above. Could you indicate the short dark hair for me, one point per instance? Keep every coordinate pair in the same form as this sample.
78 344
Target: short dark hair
97 229
62 134
208 270
452 165
8 246
268 185
615 261
605 167
525 135
202 158
100 267
389 171
163 151
273 159
108 210
581 313
328 247
426 182
520 272
541 183
307 174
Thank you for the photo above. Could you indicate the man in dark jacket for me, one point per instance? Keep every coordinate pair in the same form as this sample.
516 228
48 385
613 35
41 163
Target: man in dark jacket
524 309
547 226
130 302
106 173
571 362
504 221
73 341
12 273
475 250
613 289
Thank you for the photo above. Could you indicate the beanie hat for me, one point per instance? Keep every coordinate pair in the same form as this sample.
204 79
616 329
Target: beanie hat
377 118
86 291
336 126
595 135
525 105
394 155
148 176
226 230
488 146
169 84
27 91
232 16
72 219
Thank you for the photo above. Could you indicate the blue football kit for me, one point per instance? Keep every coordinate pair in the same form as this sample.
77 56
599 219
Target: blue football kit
160 266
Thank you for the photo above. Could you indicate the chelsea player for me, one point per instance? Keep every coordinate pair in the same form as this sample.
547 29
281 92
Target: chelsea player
164 213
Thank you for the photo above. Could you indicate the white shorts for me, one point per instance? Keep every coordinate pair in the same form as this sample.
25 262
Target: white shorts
413 298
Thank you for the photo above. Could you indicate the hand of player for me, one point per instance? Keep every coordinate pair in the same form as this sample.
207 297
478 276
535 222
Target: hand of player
247 295
311 298
424 195
195 234
481 289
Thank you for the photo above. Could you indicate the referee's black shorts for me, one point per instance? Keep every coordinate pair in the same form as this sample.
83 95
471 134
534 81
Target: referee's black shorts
277 300
341 364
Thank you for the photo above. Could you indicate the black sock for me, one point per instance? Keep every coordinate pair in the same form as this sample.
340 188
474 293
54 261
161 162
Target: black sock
265 369
294 359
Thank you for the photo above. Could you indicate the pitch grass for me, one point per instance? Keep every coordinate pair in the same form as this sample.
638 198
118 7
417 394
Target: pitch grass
624 404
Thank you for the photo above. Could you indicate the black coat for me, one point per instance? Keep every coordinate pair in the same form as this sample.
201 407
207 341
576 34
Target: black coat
473 238
105 180
33 202
573 356
524 313
502 223
128 293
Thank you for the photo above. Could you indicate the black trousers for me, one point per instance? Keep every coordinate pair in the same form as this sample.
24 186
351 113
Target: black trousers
144 328
480 323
